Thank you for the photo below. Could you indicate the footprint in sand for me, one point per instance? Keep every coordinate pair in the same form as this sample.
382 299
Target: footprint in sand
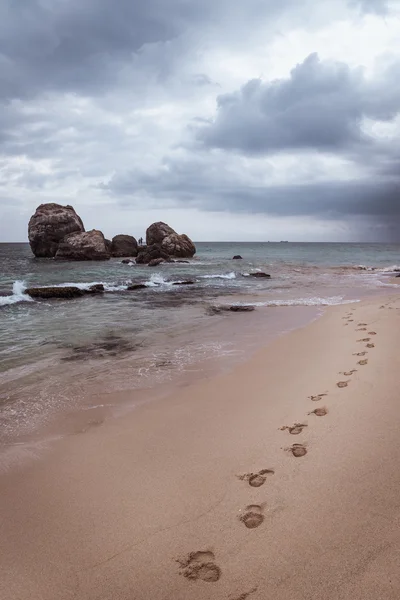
371 332
294 429
297 450
361 353
317 398
342 384
257 479
319 412
364 340
362 325
370 346
200 565
245 595
252 516
361 329
363 362
348 373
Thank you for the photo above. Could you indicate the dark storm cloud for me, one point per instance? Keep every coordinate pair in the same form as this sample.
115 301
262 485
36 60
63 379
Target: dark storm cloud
77 45
212 185
82 45
320 106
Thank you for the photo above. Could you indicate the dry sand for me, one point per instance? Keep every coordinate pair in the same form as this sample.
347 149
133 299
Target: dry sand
177 501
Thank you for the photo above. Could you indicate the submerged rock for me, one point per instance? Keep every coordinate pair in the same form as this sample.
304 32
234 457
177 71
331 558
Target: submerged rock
186 282
260 275
89 245
128 261
55 292
124 245
172 243
109 345
136 286
237 257
215 310
49 225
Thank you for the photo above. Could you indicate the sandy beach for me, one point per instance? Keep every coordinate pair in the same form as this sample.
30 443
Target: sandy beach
210 493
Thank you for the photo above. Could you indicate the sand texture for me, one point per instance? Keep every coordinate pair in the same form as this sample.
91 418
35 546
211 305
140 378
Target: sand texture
279 480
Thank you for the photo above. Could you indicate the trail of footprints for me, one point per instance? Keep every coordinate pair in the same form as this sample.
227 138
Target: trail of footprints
201 565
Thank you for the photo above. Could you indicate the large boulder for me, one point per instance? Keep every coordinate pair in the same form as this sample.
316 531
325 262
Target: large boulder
171 242
49 225
149 253
157 232
124 245
89 245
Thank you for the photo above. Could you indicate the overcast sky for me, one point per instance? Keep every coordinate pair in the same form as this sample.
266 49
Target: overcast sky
230 120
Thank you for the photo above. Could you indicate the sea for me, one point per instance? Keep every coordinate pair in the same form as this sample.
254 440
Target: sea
67 365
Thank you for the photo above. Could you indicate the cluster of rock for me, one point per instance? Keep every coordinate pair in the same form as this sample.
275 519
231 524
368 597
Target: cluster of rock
57 231
67 292
162 242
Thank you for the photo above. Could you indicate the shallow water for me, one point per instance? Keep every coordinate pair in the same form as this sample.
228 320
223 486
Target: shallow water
57 355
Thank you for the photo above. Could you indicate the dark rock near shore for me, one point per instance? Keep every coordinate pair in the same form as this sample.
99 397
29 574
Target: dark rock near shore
124 245
55 292
260 275
89 245
156 261
187 282
128 261
49 225
97 288
237 257
186 262
172 243
136 286
215 310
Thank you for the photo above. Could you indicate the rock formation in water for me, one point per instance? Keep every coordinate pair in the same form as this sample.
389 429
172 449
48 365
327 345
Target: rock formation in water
49 225
124 245
89 245
148 253
56 231
172 243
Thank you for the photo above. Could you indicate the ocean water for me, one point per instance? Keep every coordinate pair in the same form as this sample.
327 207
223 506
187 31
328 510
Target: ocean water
57 356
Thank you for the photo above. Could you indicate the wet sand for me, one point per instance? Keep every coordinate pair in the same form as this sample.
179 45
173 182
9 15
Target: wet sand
277 480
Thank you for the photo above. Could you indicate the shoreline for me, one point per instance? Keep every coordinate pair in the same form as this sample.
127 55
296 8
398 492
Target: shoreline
109 512
223 342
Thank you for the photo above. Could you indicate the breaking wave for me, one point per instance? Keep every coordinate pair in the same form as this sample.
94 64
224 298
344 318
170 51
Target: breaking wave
231 275
18 295
315 301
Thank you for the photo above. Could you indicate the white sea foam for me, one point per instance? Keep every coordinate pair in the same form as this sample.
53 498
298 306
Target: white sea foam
156 280
315 301
108 287
391 269
231 275
18 295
